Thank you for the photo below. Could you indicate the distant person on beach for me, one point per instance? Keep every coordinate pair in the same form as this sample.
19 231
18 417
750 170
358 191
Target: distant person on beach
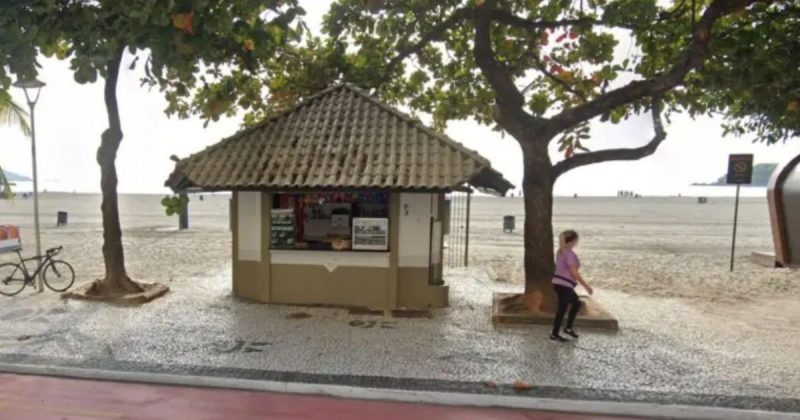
564 281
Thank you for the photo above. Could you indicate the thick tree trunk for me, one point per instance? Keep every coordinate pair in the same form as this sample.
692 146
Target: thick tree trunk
537 185
116 281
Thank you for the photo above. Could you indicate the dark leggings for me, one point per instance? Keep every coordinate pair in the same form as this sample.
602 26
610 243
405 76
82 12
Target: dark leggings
566 297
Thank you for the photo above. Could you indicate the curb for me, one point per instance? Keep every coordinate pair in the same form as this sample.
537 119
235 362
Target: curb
608 408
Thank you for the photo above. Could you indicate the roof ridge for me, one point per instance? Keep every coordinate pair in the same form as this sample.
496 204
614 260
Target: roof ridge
315 109
416 123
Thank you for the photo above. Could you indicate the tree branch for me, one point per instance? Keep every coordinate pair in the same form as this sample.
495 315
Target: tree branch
509 99
648 149
534 25
435 34
694 56
543 68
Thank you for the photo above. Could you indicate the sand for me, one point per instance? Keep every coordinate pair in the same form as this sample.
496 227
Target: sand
155 250
657 247
652 247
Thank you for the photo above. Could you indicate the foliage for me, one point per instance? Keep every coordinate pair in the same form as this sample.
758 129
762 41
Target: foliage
13 115
5 186
174 204
208 57
563 54
752 78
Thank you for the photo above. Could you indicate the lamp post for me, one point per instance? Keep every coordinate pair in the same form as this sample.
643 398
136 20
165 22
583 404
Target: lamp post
32 89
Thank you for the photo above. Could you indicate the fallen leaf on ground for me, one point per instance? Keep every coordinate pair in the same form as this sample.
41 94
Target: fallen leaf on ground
520 385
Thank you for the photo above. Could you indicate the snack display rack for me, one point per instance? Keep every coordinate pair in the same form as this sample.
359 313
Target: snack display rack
283 229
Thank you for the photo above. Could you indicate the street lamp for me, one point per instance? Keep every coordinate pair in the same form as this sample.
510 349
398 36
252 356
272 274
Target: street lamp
32 89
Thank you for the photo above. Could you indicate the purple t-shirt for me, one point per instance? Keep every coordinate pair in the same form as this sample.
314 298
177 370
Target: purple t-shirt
564 261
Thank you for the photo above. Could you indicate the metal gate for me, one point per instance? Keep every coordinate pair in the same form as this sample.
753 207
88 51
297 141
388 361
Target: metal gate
456 228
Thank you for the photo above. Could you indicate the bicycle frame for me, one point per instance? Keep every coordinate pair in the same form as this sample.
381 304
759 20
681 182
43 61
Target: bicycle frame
42 262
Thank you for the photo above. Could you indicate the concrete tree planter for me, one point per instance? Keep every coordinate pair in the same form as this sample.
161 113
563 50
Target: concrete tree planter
150 292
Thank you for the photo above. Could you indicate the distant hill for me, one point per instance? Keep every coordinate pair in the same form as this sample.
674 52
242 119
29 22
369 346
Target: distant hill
761 175
14 177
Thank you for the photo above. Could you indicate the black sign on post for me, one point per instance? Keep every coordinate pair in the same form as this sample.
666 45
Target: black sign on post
740 171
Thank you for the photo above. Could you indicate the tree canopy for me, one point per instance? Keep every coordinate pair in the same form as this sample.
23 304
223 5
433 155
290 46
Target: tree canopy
752 77
734 58
208 57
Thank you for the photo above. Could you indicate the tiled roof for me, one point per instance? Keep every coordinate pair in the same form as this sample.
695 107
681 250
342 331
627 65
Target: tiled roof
340 138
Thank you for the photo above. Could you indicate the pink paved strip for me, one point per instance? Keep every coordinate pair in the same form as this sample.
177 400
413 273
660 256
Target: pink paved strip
40 397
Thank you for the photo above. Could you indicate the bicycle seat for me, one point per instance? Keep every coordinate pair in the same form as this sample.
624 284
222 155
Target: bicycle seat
53 251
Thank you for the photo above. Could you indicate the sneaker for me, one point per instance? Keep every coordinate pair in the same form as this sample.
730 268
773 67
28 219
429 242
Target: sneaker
558 338
570 332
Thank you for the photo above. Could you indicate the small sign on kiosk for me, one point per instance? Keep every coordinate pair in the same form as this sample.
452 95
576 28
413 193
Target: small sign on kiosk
9 239
740 171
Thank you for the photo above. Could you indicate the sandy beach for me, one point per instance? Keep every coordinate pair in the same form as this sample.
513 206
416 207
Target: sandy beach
657 247
154 248
653 247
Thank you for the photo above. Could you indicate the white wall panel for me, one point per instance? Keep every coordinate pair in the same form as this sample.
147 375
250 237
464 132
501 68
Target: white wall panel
250 225
331 260
415 229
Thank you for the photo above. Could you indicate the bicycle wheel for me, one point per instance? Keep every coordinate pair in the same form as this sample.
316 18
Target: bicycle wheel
12 279
58 276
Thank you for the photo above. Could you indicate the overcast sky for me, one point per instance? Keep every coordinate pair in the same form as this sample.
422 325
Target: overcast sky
71 117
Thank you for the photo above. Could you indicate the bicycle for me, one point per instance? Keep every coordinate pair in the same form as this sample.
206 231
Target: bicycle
58 275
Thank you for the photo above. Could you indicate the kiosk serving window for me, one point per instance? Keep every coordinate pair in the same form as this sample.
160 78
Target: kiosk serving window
330 221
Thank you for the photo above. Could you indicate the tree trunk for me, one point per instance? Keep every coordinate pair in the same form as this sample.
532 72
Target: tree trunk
116 281
537 185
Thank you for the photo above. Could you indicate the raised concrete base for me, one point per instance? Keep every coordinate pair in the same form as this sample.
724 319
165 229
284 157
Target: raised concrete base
592 315
151 291
766 259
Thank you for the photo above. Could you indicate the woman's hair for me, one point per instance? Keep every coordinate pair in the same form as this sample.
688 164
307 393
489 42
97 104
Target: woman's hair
566 237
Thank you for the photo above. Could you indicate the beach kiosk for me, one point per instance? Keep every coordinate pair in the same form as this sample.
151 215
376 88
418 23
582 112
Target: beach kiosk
339 201
783 195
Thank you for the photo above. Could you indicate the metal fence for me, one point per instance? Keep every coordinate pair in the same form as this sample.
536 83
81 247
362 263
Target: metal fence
456 229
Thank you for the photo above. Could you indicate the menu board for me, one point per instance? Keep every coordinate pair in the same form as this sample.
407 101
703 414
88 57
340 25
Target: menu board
370 233
283 232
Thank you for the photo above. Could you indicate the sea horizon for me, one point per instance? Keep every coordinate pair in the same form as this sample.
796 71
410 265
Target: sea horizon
688 191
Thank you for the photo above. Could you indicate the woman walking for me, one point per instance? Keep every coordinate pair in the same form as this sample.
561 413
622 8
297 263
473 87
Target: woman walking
564 281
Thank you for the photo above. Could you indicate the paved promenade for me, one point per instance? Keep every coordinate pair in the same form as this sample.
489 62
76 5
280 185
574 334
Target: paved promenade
199 330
